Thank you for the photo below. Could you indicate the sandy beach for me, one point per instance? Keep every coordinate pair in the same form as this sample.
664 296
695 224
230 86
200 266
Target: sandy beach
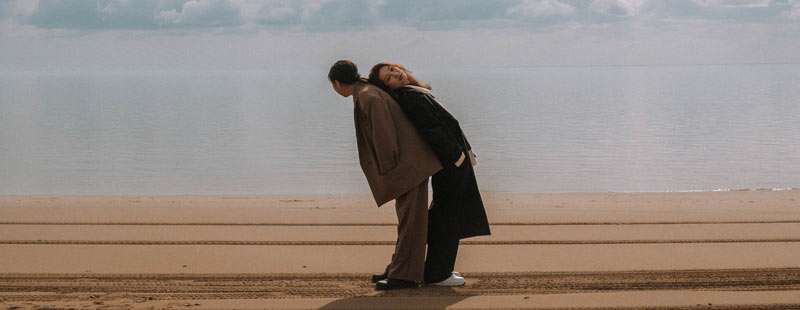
718 250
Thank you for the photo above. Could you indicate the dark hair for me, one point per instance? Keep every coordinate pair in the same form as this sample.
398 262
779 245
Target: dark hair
375 80
345 72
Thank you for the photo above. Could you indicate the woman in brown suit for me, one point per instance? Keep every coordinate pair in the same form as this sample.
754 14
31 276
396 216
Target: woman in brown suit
457 210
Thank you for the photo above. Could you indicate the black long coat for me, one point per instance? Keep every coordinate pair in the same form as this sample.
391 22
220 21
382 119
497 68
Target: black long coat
457 210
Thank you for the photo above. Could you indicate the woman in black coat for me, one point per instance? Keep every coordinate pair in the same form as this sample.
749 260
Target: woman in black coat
457 209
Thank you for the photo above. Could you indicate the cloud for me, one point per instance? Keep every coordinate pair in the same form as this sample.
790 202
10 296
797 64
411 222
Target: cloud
202 13
5 10
794 13
66 14
126 13
358 14
540 9
278 15
731 10
734 3
342 12
133 14
436 11
617 7
100 14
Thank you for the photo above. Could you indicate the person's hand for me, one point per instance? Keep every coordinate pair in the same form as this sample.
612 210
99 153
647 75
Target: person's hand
473 159
460 160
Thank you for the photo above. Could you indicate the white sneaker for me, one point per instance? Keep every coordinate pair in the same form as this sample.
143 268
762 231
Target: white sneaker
457 273
453 280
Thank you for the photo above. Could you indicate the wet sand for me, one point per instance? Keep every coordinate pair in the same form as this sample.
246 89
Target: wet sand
720 250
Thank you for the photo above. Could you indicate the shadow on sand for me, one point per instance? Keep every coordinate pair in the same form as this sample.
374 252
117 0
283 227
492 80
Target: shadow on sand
421 298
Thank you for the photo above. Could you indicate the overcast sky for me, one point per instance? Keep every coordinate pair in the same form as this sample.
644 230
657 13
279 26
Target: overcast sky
311 34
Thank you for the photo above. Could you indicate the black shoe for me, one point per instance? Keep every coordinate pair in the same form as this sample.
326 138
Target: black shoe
391 284
378 277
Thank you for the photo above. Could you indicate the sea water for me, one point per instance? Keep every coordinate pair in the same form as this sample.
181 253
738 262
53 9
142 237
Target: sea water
534 129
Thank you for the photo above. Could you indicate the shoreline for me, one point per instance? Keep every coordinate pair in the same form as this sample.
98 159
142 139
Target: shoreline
717 190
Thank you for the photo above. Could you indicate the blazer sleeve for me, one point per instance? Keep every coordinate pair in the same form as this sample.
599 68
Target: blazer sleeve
419 109
383 133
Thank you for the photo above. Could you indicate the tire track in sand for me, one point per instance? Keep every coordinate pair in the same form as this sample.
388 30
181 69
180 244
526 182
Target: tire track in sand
373 243
69 287
395 224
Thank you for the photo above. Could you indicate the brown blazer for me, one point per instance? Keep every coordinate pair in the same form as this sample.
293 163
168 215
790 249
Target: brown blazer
392 154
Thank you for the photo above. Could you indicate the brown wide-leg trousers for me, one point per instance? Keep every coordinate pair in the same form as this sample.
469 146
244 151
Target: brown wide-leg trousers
408 260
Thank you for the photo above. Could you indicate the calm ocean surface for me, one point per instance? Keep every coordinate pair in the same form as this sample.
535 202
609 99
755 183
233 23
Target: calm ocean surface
542 129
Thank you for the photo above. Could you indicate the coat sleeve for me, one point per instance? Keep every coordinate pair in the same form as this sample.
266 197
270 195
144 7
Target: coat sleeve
469 147
383 133
419 109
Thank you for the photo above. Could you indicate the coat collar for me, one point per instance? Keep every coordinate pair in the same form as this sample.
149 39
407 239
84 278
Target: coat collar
357 88
417 88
